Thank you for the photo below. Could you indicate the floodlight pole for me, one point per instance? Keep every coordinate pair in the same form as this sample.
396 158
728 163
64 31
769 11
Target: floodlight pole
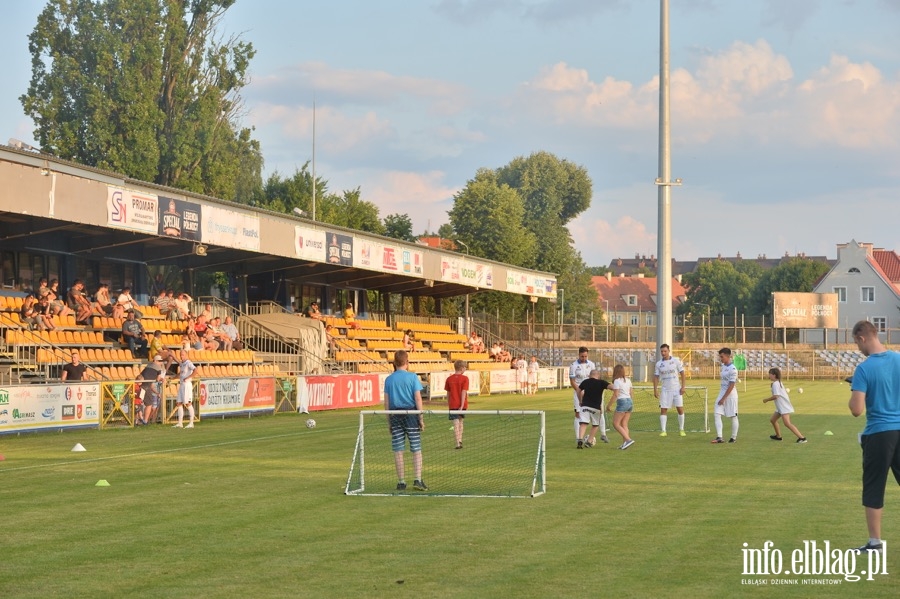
468 324
314 161
664 184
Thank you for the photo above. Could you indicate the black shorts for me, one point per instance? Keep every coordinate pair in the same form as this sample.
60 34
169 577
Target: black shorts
881 453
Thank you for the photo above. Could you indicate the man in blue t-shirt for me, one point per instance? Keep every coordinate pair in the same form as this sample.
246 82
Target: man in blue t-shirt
875 390
403 391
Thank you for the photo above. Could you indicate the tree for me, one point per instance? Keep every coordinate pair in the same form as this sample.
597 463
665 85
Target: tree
281 194
399 226
351 211
446 231
148 88
487 217
719 285
797 274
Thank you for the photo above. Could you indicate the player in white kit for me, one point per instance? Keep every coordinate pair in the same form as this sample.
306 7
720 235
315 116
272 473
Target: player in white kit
727 401
668 388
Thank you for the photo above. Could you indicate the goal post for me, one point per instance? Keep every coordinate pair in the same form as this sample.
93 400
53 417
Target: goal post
502 455
645 416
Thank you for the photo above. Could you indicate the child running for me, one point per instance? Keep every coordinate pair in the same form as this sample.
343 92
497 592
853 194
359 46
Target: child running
457 388
783 407
621 387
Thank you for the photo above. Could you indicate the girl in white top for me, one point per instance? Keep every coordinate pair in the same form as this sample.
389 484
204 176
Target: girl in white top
783 407
621 387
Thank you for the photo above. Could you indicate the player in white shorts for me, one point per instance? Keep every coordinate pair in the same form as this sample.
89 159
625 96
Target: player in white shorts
668 388
578 372
185 390
727 401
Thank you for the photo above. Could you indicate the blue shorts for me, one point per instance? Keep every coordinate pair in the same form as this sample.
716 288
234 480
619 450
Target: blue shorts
624 404
457 416
405 426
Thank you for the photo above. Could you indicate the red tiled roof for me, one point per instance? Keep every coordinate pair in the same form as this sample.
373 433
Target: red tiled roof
889 262
616 289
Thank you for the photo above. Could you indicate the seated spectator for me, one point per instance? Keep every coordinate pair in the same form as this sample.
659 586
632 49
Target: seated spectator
409 340
133 334
505 356
210 342
350 317
183 304
78 301
200 325
477 345
495 352
43 288
57 305
30 316
101 300
165 303
219 335
230 329
314 312
125 303
156 348
44 313
207 312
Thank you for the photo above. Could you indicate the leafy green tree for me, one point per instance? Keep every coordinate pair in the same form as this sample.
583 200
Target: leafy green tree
798 274
719 285
399 226
597 271
487 217
446 231
283 194
148 88
351 211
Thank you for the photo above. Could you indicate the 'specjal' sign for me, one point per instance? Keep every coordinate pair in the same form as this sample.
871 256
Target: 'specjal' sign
805 310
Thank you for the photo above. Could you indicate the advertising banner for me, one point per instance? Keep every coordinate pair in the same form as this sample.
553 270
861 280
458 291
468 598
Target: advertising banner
180 219
39 407
367 254
231 229
437 380
219 397
309 244
334 392
805 310
413 262
133 210
503 380
340 249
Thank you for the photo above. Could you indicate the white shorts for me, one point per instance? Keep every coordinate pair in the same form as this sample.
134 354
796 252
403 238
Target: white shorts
591 416
669 398
729 407
783 406
185 392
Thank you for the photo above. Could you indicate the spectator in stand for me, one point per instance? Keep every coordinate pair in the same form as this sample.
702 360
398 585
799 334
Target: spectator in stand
190 341
314 312
329 337
44 313
57 304
102 302
505 356
125 302
183 305
78 301
476 343
209 341
74 370
219 335
134 336
200 325
156 348
350 317
43 288
409 340
29 314
165 303
207 312
230 329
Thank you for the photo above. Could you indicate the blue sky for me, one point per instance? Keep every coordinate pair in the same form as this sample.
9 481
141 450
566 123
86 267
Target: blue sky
785 113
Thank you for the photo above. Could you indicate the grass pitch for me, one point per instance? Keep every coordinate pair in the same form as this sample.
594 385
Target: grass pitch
255 508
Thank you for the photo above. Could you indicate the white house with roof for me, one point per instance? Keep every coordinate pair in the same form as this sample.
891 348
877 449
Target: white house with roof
866 280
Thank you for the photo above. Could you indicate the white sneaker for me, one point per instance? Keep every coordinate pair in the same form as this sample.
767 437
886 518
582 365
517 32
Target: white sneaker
191 425
179 425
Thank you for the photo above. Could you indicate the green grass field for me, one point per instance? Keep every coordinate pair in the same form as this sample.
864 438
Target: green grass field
255 508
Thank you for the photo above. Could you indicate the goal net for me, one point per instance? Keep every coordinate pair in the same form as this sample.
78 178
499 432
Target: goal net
502 455
645 416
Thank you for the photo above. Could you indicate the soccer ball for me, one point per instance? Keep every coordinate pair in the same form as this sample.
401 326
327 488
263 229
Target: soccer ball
310 423
800 390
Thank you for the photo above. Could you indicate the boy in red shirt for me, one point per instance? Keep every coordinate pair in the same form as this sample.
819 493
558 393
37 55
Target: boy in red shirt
457 388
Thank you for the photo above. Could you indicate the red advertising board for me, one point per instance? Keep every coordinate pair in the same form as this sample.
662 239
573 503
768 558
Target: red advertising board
335 392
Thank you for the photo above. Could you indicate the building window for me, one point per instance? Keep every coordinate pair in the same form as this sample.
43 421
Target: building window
631 300
650 319
634 320
880 323
867 294
841 293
